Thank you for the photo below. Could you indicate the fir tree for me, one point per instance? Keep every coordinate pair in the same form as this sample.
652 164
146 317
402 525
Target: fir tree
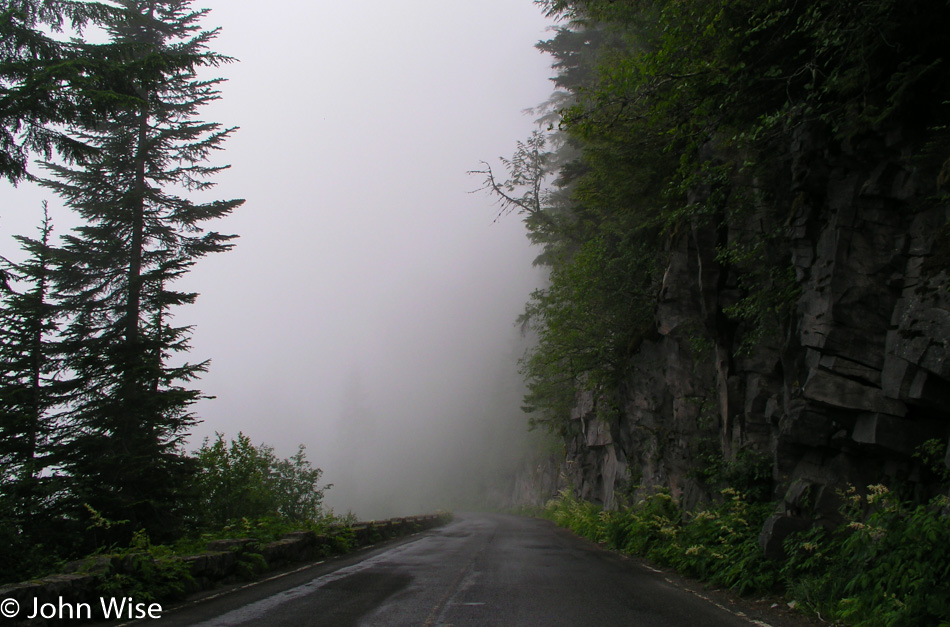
26 318
47 82
131 410
30 390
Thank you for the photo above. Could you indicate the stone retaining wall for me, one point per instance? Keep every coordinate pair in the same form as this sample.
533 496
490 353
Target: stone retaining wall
224 561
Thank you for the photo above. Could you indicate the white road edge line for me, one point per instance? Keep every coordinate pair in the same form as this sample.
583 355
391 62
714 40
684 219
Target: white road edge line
739 614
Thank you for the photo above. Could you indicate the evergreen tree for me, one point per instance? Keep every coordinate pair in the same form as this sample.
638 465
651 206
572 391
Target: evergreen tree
131 408
30 389
47 82
27 318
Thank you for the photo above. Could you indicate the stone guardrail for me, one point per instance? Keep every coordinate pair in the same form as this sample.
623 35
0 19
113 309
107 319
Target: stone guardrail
224 561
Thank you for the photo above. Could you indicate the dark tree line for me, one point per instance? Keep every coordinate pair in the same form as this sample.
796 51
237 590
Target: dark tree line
95 395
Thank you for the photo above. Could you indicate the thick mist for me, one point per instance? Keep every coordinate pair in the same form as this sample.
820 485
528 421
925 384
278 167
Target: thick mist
440 436
368 308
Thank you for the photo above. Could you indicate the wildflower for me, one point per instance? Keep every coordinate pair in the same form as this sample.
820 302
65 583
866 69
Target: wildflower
693 550
810 546
850 496
877 492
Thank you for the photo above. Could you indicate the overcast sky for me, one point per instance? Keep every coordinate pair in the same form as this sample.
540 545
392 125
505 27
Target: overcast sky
367 310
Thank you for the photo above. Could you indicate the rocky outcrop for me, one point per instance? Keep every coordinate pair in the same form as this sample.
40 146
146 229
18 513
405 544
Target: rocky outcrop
539 478
840 391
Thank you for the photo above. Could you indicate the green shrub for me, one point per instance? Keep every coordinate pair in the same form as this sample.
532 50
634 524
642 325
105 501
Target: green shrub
889 564
652 525
250 565
237 480
342 540
579 516
146 572
719 545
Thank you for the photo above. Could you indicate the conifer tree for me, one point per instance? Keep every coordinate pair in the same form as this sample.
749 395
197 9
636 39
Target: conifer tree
47 82
141 233
30 389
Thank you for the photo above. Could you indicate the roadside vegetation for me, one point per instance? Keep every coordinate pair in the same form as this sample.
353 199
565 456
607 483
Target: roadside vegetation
240 490
887 563
244 498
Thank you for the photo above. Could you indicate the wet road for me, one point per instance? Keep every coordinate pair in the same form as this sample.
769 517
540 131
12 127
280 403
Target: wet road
479 570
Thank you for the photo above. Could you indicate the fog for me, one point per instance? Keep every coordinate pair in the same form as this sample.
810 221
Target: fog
368 308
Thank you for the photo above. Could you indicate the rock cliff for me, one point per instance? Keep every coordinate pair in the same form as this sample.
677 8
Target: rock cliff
841 390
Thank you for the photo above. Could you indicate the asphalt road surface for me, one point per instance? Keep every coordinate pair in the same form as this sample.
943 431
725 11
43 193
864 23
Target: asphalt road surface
479 570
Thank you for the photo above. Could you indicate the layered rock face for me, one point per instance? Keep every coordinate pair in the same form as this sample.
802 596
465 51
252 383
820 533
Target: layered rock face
848 385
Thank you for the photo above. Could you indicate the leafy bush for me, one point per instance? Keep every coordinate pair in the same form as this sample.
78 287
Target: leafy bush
145 572
718 545
579 516
238 481
652 525
250 565
888 564
721 545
